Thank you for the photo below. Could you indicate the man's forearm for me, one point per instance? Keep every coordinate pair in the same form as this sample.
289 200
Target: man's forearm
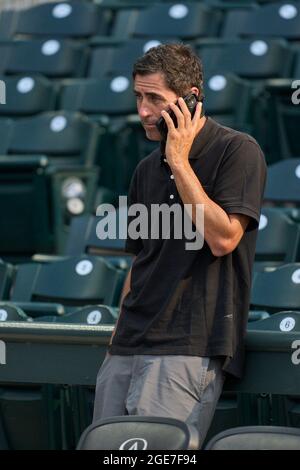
217 224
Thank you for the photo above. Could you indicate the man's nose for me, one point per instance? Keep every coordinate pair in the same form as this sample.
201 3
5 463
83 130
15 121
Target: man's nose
144 110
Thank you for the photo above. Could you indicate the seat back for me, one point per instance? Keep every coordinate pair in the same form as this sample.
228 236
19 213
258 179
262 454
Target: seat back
277 290
62 136
139 433
256 438
283 182
76 19
258 59
26 95
278 239
72 281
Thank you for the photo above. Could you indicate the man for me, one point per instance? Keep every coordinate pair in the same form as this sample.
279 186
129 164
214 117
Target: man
184 312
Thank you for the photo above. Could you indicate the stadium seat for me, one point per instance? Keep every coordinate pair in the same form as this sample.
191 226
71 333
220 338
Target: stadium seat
277 118
228 100
10 312
185 21
66 138
83 236
89 315
27 95
55 58
278 240
73 281
40 309
106 96
139 433
283 21
277 290
258 59
283 183
77 19
256 438
117 61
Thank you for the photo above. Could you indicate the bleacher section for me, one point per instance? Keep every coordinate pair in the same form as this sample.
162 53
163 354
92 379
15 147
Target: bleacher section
70 139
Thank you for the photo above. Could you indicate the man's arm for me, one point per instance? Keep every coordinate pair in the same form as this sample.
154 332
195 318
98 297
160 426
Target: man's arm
125 290
222 232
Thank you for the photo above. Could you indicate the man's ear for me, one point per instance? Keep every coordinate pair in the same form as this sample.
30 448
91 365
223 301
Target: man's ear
195 90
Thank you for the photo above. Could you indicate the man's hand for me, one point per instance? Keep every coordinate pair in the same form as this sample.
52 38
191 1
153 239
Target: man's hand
181 138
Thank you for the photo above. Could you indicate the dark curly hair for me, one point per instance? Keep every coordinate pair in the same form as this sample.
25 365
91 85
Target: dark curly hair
180 66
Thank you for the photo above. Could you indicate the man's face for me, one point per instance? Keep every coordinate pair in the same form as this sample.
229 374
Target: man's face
152 97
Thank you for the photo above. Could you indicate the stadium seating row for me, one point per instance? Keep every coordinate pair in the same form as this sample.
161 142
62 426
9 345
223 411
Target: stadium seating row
187 20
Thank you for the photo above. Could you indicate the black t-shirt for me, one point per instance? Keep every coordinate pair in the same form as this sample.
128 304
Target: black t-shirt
190 302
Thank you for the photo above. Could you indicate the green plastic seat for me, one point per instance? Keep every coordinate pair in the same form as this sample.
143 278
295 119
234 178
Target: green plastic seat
188 21
118 60
83 236
55 58
73 281
105 96
58 19
283 183
89 315
283 21
256 438
64 137
277 290
228 100
258 58
278 240
10 312
27 95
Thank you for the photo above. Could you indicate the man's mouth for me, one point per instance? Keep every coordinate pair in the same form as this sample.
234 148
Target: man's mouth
149 124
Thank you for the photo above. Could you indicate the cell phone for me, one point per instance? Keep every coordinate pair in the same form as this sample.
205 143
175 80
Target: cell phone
191 101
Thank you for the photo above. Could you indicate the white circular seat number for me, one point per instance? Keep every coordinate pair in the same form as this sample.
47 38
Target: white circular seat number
297 171
296 276
84 267
288 11
94 317
3 315
58 123
178 11
217 82
258 48
62 10
50 47
263 222
287 324
119 84
149 44
25 85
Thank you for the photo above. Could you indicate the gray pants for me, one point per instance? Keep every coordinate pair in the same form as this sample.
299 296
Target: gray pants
182 387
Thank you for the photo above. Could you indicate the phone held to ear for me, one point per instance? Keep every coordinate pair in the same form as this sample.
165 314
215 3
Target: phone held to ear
191 101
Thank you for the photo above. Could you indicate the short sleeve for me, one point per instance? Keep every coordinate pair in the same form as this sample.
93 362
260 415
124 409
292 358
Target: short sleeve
240 180
133 246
